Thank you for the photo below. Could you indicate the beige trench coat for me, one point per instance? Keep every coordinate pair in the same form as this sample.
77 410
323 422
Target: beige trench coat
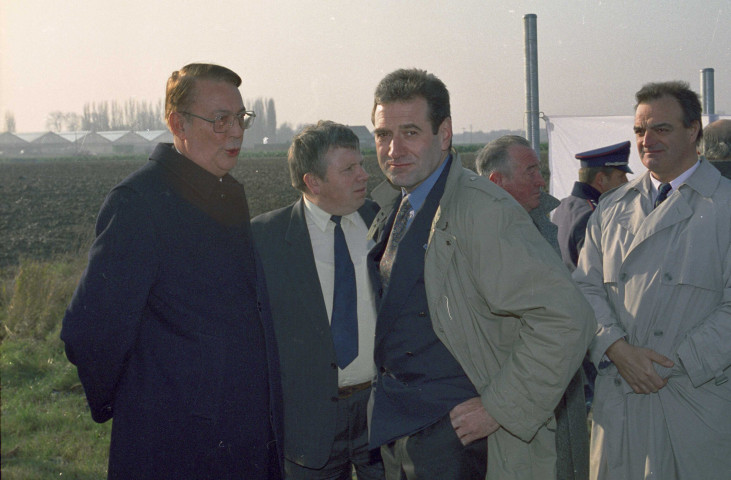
503 303
662 280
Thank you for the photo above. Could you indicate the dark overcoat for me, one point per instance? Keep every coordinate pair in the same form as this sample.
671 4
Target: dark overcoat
171 333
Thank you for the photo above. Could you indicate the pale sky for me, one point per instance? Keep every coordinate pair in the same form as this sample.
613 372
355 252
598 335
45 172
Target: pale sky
321 59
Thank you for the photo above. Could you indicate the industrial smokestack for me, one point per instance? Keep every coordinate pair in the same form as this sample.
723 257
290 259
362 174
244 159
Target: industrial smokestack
707 93
531 82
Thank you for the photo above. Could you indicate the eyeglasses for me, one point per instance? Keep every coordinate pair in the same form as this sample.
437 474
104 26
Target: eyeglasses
224 121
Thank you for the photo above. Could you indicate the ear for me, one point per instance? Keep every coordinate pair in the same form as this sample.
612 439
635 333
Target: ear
600 181
177 124
694 129
496 178
313 183
445 130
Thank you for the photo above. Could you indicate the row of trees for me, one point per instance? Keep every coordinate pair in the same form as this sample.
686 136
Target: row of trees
139 115
131 114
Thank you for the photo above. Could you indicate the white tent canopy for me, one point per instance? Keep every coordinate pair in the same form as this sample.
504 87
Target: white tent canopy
569 135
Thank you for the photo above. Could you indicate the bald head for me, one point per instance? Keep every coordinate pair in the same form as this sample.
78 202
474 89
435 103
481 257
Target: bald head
717 140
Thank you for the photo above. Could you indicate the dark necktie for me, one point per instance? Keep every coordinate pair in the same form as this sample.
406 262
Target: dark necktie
344 322
397 233
662 193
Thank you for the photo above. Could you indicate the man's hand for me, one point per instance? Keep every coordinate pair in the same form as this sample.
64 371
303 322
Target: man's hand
635 364
471 421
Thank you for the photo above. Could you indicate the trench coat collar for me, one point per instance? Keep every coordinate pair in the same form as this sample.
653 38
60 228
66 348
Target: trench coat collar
639 218
454 176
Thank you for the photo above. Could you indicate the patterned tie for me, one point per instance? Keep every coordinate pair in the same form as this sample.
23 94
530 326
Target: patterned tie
662 193
344 321
397 233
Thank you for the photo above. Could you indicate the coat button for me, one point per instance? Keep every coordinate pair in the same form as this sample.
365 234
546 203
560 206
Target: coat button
617 382
422 314
658 333
334 366
623 276
409 354
667 277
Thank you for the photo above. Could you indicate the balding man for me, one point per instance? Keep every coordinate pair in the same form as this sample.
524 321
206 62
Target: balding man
717 145
511 163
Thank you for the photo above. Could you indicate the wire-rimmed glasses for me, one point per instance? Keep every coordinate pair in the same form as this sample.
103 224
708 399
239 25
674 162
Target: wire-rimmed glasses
224 121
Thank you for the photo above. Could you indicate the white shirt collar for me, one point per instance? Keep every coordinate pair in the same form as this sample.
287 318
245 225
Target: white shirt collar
320 217
676 182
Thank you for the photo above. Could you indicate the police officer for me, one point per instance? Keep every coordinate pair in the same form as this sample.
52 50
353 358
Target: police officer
601 170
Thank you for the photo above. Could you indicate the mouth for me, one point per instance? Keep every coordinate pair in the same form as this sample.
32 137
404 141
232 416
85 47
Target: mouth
233 152
647 151
398 165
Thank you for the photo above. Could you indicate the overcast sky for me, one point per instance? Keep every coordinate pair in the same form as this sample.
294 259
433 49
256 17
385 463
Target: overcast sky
322 59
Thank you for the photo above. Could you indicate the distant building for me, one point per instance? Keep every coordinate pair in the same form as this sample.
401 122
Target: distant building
364 136
43 144
11 145
81 143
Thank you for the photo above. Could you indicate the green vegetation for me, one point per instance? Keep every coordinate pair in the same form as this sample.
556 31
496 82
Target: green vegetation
47 431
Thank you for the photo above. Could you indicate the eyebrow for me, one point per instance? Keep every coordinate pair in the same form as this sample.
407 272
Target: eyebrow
406 126
652 126
227 112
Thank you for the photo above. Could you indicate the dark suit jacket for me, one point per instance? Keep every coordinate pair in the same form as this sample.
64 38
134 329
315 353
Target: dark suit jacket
307 354
171 333
418 379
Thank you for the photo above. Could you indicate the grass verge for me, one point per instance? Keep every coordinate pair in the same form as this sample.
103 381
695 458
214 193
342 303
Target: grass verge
47 431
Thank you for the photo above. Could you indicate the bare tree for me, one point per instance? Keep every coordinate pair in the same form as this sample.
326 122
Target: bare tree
286 131
72 122
270 129
54 121
9 122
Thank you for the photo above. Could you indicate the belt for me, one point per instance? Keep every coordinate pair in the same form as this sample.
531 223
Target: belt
345 392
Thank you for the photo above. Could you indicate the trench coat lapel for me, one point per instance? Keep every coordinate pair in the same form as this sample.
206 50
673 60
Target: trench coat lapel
674 210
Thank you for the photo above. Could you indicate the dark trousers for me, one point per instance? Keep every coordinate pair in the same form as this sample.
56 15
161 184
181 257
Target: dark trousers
435 453
350 447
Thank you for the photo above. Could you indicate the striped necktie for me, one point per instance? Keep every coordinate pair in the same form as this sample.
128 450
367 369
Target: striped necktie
397 233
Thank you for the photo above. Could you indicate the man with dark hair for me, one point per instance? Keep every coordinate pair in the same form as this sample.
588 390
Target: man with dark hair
602 169
717 145
511 163
170 326
469 343
656 267
327 367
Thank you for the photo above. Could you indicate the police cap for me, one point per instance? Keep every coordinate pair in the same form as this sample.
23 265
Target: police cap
615 156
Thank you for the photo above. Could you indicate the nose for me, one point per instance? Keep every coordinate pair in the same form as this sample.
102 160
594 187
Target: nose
362 174
396 148
540 182
647 138
236 130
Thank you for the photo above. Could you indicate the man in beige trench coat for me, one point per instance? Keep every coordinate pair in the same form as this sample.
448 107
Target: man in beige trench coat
657 272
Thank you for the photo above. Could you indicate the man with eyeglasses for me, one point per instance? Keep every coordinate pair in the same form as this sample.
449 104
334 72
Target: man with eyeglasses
170 327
